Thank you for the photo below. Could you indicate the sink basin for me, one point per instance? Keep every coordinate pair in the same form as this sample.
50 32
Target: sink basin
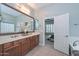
26 34
14 36
19 35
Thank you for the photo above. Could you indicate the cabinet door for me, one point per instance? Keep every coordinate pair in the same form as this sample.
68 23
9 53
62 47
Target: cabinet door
25 46
37 40
18 47
8 45
12 51
1 50
31 42
28 44
34 41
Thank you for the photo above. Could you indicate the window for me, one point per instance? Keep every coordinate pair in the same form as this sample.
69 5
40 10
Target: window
49 28
7 27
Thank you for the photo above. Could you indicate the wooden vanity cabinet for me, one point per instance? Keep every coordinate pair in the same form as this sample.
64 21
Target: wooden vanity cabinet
19 47
0 50
37 40
31 42
12 49
34 40
25 46
7 45
6 48
28 44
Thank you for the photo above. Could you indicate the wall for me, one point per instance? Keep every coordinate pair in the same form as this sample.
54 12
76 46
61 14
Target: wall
39 15
72 9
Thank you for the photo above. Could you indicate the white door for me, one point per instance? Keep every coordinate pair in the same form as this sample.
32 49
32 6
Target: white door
61 33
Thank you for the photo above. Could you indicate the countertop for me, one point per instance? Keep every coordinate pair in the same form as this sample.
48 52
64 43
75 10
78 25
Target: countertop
8 38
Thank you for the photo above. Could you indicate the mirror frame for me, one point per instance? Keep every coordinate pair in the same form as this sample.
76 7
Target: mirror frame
22 13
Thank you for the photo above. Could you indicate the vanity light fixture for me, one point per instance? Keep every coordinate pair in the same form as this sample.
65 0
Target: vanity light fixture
23 8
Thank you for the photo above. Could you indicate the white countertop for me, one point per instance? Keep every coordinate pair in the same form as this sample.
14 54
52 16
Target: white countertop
7 38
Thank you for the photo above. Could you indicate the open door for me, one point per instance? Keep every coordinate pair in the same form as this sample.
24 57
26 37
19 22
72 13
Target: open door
61 33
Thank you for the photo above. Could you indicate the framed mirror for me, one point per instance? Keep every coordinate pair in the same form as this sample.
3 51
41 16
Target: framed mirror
13 20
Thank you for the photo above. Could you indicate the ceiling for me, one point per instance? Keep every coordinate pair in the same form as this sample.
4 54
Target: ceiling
9 11
39 5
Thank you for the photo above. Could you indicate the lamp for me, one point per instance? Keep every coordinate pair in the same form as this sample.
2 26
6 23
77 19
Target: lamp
22 8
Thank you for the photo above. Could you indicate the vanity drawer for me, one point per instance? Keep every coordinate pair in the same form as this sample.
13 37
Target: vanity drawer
23 41
12 51
7 45
17 42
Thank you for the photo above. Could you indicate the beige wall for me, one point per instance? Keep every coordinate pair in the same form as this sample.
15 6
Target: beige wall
40 15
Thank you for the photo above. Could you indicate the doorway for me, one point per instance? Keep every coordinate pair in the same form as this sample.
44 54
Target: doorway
49 34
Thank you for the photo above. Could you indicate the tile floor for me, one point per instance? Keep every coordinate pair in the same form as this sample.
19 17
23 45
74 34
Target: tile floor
46 50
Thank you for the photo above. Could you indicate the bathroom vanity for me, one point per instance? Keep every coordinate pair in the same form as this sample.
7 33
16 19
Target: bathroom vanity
18 45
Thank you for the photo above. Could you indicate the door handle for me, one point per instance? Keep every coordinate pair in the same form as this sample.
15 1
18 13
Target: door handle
66 36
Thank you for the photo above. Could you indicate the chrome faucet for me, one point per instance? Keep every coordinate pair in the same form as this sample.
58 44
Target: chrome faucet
14 36
75 42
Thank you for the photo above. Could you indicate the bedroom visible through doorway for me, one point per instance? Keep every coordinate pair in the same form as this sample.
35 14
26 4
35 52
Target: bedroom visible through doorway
49 34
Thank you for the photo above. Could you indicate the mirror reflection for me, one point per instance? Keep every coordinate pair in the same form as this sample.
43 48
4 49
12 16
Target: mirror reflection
14 21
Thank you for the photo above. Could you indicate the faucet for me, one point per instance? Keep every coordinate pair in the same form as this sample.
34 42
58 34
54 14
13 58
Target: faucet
14 36
75 43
